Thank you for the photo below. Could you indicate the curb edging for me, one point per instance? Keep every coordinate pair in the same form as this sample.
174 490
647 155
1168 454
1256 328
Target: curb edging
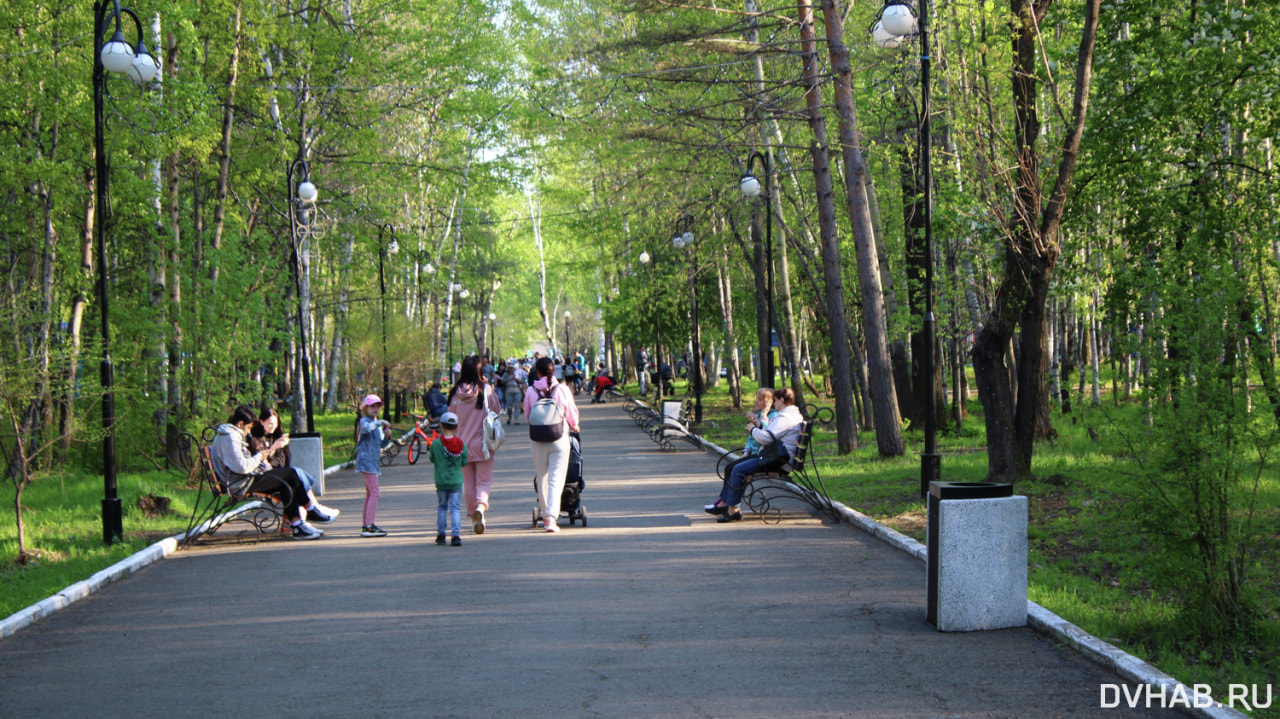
1105 654
123 568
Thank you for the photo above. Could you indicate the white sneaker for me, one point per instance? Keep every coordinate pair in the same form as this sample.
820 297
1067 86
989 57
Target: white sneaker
302 530
320 515
550 525
477 521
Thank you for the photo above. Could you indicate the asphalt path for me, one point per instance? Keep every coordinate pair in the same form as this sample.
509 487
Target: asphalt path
653 610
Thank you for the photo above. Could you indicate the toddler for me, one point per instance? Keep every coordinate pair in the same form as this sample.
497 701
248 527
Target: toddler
448 454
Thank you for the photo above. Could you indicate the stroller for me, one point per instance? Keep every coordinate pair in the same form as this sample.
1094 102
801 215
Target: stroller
570 496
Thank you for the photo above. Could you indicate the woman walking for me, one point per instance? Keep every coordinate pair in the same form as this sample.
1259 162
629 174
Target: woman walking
472 399
550 459
512 392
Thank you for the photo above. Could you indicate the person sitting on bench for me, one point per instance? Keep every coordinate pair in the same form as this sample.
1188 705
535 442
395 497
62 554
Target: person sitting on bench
266 434
245 472
784 427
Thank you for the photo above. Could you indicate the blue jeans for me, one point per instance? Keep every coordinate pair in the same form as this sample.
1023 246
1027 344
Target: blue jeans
732 492
307 480
449 505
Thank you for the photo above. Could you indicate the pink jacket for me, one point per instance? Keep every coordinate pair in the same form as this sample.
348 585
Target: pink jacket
471 420
560 392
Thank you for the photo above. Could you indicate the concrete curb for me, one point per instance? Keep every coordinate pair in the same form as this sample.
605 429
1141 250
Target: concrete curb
123 568
1042 620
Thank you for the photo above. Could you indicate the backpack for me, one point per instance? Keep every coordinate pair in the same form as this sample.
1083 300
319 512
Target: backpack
494 434
546 418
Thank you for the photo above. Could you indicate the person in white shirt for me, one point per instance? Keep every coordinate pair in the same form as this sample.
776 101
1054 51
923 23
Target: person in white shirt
785 427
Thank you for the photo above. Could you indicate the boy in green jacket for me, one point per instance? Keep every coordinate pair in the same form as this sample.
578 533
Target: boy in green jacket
448 454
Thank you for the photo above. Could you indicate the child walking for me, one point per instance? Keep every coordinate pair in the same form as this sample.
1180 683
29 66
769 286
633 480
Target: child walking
448 454
369 435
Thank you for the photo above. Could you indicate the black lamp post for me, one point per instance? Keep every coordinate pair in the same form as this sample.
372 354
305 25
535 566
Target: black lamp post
645 259
492 337
751 188
114 55
684 241
304 193
385 250
893 26
568 344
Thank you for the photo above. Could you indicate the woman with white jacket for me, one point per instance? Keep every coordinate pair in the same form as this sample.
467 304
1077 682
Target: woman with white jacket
784 427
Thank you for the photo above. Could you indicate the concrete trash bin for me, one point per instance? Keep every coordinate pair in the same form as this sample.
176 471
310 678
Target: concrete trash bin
977 556
306 451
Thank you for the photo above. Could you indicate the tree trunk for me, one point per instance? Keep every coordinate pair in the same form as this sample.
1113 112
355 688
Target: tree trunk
224 146
1031 251
725 285
885 402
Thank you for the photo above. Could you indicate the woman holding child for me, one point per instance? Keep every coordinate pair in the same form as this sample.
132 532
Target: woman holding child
784 427
471 399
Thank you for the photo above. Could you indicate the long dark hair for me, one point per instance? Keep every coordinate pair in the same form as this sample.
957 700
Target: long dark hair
243 413
470 374
260 430
544 367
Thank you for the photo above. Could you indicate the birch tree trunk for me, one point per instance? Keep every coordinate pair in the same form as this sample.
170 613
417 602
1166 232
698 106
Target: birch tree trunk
535 216
224 146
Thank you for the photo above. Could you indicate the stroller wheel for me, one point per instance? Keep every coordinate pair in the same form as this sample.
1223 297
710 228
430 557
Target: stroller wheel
535 517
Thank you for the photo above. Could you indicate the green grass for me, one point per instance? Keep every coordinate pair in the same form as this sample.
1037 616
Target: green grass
1086 563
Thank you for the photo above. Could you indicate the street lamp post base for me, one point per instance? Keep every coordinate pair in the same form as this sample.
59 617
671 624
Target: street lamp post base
112 520
930 471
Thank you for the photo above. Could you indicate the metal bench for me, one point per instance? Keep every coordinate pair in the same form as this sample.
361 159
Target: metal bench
798 479
260 510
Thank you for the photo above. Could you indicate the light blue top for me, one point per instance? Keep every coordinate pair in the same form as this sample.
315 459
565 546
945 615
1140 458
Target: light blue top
369 446
753 447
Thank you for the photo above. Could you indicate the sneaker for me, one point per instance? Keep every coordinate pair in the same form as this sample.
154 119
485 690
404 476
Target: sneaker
319 516
457 541
440 539
477 521
372 530
302 530
550 525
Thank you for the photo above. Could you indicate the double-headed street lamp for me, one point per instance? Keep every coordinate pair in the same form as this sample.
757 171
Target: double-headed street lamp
301 196
114 55
751 187
384 251
893 27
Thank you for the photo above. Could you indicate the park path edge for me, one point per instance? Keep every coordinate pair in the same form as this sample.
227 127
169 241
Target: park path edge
1040 619
83 588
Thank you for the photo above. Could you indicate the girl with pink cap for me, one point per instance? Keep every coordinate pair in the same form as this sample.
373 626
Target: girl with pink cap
369 435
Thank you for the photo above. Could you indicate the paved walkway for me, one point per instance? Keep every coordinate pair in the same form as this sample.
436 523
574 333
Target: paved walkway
652 611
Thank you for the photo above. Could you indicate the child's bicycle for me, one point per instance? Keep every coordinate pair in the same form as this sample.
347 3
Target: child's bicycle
421 441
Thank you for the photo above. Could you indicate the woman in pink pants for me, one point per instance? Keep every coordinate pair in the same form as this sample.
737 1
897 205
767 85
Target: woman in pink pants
471 399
